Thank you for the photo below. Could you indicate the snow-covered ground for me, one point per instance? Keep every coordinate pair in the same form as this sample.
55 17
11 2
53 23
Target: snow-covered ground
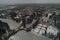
22 35
11 23
52 30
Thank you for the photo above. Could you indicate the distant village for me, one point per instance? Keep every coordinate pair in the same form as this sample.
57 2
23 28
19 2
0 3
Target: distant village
40 21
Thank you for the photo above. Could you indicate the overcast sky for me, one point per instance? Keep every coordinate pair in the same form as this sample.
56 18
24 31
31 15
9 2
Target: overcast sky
28 1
